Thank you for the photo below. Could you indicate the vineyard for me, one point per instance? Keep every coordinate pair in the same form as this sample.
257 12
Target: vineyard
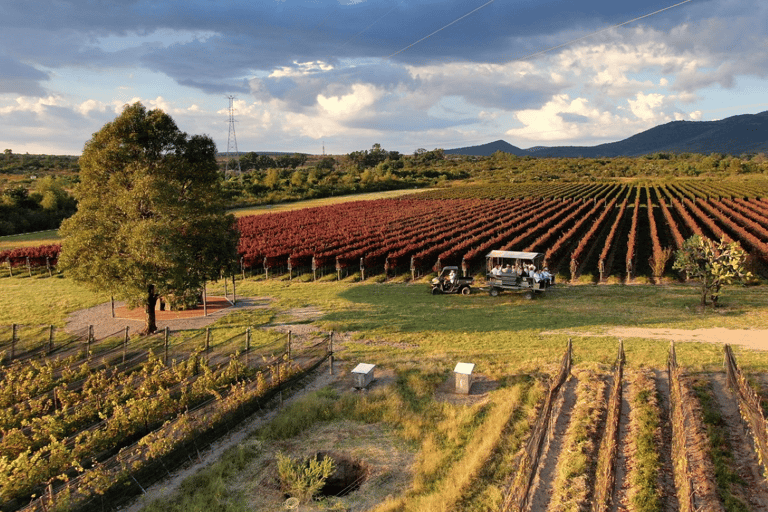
597 230
642 439
83 420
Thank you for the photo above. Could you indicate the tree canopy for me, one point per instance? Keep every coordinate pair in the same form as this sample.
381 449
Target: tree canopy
150 221
715 264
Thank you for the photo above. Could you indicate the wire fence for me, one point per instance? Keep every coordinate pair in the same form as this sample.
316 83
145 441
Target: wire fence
117 479
517 494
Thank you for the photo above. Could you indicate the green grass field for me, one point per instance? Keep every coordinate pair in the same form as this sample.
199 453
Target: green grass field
458 454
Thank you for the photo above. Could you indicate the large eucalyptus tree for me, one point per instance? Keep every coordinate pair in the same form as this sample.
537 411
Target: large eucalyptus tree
150 221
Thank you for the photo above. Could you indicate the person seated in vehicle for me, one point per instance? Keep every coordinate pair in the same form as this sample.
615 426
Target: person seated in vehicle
546 276
496 270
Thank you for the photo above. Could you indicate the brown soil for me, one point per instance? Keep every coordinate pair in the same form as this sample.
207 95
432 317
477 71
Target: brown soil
697 450
541 489
666 471
752 489
213 304
751 338
619 500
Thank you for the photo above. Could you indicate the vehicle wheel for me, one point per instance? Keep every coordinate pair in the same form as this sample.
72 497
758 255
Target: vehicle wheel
436 290
528 295
494 292
466 290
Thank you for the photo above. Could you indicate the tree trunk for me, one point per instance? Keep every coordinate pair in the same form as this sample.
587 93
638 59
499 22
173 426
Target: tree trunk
151 323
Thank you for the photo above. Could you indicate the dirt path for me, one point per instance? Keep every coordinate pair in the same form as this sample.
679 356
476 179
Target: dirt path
317 380
541 489
752 488
756 339
623 456
666 471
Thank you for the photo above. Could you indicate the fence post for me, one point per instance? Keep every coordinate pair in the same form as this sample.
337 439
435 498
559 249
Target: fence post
29 267
224 278
125 342
330 349
165 342
50 339
289 344
242 267
362 269
89 341
14 338
247 344
205 298
48 266
10 267
234 292
207 341
112 302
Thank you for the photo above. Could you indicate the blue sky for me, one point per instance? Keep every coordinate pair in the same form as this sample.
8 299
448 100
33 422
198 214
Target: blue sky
407 74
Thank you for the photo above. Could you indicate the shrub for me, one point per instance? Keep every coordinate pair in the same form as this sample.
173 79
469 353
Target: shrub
303 478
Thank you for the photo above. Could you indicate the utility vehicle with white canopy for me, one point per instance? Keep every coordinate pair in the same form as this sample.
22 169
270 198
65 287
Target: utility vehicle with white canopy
512 270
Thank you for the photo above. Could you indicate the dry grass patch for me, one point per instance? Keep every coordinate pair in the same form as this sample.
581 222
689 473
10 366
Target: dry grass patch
573 486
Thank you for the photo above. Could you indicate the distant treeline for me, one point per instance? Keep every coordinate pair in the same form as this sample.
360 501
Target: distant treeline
43 207
35 190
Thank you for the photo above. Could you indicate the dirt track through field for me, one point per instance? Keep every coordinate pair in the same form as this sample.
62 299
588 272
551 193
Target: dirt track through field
623 456
541 490
752 487
669 499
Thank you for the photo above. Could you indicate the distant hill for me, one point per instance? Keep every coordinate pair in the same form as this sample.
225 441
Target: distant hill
734 135
488 149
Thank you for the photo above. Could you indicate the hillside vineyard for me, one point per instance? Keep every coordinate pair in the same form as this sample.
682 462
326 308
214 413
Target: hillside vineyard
598 229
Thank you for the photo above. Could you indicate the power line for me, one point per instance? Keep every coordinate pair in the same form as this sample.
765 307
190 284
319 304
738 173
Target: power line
446 26
596 32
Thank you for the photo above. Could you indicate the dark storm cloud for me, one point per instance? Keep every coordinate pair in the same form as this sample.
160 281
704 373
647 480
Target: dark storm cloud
17 77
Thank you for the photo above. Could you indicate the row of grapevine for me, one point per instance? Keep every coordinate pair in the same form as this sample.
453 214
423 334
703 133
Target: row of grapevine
416 234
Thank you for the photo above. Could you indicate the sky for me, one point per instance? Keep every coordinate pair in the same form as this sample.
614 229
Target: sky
341 75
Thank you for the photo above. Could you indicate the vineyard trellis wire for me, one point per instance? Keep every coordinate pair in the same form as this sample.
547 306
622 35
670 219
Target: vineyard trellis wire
151 457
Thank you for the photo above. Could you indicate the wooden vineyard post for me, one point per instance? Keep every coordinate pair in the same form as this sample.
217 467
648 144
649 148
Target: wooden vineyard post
314 269
50 339
88 342
205 299
338 269
247 345
288 350
266 268
234 291
112 302
14 338
242 267
10 267
48 266
207 341
362 270
125 342
165 344
330 349
29 267
290 270
601 269
413 270
226 292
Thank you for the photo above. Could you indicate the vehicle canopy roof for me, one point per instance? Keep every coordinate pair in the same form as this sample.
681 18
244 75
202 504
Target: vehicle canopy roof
515 255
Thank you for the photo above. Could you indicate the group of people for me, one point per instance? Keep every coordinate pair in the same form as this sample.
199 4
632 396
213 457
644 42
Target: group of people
523 271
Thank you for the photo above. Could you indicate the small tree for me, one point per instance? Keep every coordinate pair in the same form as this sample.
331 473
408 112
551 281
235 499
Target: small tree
715 264
150 220
303 478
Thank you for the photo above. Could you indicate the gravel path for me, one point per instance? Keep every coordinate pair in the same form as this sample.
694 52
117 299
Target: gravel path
104 325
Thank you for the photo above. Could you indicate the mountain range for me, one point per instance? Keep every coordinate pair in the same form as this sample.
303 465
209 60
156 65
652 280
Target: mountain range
736 135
